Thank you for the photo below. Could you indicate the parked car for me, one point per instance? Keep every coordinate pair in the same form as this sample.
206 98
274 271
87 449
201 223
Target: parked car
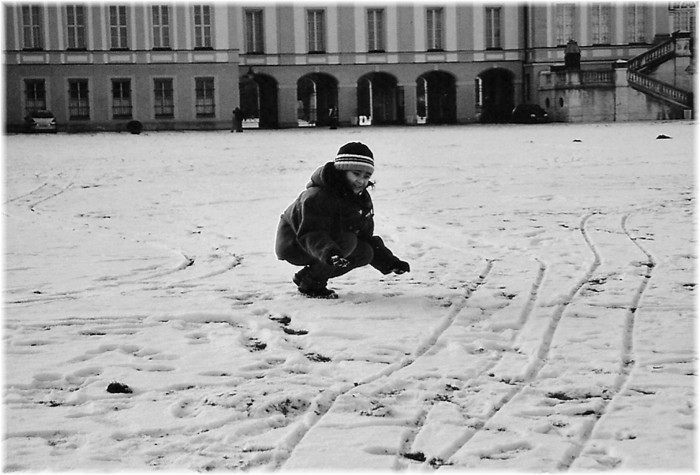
41 121
529 114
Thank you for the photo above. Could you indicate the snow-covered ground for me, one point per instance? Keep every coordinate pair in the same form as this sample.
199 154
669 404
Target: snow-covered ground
547 323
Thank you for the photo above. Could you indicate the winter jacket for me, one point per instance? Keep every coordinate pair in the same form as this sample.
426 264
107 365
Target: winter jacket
327 208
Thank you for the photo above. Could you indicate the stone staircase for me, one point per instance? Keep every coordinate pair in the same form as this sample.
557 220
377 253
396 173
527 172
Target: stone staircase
641 67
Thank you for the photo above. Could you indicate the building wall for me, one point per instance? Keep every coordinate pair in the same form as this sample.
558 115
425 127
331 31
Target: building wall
527 38
141 76
140 63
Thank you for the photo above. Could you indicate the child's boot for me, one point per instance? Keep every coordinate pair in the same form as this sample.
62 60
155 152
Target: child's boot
312 287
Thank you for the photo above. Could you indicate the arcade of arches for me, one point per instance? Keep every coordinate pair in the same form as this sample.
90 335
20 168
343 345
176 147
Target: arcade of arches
379 99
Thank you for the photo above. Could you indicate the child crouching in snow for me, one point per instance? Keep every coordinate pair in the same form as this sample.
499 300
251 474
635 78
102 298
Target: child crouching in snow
329 229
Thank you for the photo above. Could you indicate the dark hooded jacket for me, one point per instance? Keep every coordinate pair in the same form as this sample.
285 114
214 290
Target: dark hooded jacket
329 207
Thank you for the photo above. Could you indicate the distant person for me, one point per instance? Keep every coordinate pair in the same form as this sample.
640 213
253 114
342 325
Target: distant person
237 120
333 117
572 56
329 228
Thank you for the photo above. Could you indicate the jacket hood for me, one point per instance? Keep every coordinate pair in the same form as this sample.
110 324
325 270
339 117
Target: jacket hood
328 177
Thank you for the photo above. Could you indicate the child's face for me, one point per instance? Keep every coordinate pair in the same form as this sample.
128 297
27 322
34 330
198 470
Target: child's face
358 180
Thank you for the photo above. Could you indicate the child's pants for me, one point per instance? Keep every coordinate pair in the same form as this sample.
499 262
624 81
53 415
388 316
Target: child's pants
359 253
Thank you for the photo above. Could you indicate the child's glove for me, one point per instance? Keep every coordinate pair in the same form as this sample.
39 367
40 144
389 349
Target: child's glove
400 267
339 262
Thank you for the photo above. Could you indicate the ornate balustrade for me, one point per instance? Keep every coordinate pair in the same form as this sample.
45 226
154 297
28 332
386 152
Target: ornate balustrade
660 89
656 55
586 77
648 85
606 76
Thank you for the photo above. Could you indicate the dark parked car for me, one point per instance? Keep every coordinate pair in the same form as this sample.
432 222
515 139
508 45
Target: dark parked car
529 114
41 121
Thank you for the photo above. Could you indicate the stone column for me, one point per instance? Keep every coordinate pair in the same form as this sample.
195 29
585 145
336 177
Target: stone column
622 93
287 105
409 102
347 104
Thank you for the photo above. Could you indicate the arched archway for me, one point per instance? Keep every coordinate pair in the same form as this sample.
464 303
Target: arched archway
380 98
258 93
317 94
494 89
436 94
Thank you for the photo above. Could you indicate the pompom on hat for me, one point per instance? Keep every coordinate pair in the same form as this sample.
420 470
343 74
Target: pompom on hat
355 156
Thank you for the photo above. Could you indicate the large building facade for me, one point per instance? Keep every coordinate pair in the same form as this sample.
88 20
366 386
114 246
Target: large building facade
188 65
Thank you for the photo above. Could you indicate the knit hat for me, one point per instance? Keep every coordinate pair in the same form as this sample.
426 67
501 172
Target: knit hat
355 156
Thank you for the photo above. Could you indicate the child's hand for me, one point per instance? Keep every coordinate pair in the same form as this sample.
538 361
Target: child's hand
400 267
339 262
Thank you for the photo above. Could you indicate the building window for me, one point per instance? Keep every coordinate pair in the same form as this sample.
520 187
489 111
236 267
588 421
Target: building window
78 99
121 98
636 23
684 18
316 29
564 23
600 25
434 37
493 28
35 95
31 27
163 98
202 27
204 95
254 35
118 28
161 26
375 30
75 25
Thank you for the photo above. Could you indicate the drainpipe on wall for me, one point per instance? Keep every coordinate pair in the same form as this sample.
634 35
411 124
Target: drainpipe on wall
525 93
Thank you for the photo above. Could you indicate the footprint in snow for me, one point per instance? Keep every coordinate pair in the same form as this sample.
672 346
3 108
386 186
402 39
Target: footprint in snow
197 338
184 409
506 452
284 321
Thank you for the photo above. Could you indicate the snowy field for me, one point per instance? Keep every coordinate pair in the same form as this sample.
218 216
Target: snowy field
547 323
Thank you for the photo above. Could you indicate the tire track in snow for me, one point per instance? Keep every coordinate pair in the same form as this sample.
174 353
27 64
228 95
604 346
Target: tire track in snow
236 260
187 261
41 300
446 323
112 283
323 403
29 193
534 293
542 353
546 344
32 206
405 451
627 361
51 192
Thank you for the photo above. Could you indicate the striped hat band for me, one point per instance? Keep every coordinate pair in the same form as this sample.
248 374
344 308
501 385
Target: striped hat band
355 156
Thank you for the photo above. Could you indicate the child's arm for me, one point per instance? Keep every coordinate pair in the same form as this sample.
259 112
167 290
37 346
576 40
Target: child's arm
315 225
384 260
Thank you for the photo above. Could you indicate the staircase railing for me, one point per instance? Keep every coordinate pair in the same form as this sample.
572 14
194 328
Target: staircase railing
648 85
656 55
660 89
